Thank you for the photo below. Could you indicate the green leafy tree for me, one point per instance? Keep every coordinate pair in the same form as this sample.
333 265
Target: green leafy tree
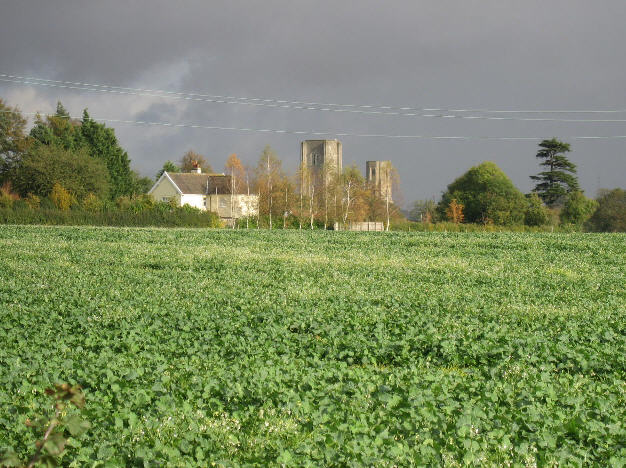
610 216
13 139
141 185
58 129
560 178
487 195
577 209
43 166
536 213
96 139
102 144
168 166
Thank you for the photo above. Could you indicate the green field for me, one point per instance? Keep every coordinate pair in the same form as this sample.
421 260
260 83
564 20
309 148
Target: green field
318 348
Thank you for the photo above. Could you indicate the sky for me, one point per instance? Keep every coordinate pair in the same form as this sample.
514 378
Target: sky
444 54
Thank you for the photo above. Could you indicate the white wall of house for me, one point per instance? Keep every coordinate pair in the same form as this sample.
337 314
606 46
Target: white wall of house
242 205
193 200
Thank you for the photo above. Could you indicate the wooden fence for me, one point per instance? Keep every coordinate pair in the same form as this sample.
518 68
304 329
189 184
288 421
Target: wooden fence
361 226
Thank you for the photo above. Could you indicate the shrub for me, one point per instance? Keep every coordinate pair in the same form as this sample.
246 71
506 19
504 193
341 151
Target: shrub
577 209
91 203
76 171
60 197
33 201
487 195
7 197
611 213
536 213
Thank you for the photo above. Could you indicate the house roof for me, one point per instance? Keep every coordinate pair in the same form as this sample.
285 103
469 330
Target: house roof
192 183
219 184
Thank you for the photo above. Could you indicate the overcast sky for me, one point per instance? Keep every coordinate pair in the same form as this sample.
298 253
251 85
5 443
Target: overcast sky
486 54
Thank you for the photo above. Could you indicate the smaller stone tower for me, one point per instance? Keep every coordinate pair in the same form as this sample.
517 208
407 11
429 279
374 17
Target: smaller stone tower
379 177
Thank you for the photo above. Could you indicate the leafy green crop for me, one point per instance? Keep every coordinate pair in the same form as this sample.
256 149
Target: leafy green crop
318 348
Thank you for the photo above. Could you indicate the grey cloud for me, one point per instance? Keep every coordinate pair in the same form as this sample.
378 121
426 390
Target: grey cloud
473 53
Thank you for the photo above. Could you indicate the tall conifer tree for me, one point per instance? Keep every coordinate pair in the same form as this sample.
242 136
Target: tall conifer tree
560 177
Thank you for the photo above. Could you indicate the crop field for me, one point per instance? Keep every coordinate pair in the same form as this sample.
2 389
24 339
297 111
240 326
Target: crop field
235 348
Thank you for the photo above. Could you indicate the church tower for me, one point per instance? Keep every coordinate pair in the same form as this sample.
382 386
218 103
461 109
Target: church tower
379 177
318 157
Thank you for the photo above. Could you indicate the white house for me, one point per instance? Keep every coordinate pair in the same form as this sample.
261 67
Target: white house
210 192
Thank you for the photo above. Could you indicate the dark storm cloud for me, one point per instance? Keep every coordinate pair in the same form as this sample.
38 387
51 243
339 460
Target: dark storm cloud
488 54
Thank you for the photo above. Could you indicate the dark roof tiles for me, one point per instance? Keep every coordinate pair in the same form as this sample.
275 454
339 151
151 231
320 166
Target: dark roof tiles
192 183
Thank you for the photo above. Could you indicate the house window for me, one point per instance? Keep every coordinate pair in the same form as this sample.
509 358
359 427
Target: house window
165 199
223 203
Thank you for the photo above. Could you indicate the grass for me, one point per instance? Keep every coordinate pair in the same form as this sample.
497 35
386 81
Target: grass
319 348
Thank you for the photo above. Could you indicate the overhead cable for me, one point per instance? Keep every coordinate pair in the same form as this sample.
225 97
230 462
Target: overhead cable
331 134
361 106
188 97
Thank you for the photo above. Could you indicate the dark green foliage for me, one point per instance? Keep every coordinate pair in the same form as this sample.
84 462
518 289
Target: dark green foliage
560 177
488 196
141 184
102 144
76 171
132 212
577 209
536 213
92 137
255 348
610 216
168 166
58 130
13 140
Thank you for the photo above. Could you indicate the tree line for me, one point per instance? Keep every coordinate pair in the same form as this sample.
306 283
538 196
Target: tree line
73 171
484 195
78 164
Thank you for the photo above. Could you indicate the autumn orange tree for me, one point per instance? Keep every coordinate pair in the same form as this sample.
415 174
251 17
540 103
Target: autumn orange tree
191 158
454 212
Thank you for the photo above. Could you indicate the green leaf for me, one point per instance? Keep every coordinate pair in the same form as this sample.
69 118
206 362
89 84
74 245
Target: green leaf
76 425
55 444
10 458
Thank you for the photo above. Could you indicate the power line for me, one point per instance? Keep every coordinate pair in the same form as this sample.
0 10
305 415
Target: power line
361 106
333 134
188 97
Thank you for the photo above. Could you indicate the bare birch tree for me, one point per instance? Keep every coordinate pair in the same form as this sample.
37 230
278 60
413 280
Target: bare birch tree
269 174
235 169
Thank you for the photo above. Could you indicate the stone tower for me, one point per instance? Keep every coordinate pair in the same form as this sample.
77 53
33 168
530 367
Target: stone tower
379 177
317 155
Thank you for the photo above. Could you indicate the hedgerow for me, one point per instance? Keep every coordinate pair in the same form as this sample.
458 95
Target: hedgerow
179 217
318 348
